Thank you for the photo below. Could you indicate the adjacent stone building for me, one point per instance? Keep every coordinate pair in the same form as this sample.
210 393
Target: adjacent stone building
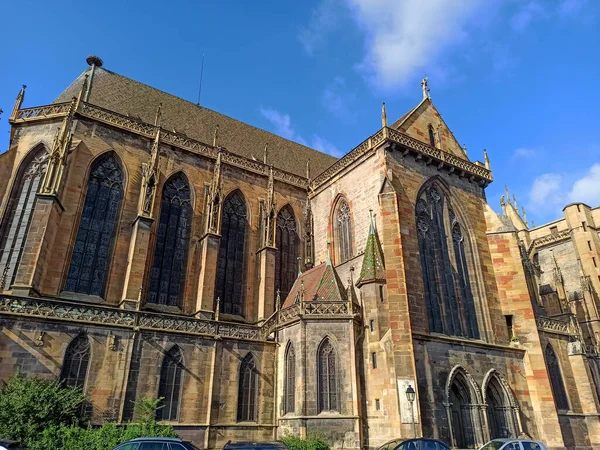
152 247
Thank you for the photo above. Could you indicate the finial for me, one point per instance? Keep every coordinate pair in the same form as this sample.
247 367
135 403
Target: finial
384 122
328 253
265 153
215 136
507 193
465 148
372 224
515 203
217 308
22 91
532 224
299 266
93 60
524 215
424 88
158 116
278 300
486 159
308 169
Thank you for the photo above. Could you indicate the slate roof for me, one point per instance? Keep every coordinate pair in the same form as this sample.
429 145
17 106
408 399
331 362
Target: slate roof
123 95
373 268
321 284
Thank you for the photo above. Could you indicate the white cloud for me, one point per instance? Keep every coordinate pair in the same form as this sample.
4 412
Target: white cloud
283 127
338 99
323 21
531 11
545 189
524 153
587 189
405 37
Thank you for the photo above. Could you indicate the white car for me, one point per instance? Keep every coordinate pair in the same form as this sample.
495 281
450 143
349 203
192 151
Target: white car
513 444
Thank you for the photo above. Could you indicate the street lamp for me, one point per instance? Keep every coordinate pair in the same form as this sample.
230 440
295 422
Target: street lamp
410 396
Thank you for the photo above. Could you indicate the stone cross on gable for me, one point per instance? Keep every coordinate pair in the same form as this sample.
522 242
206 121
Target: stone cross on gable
424 87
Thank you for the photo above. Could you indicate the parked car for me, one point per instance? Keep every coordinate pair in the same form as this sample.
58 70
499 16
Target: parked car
415 444
157 443
9 445
255 446
513 444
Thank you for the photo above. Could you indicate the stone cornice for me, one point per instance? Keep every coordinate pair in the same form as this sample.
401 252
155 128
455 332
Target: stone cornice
549 239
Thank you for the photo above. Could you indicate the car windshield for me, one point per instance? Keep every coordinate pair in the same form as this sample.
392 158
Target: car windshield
493 445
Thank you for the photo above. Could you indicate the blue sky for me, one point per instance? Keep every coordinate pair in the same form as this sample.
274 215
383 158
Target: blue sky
518 77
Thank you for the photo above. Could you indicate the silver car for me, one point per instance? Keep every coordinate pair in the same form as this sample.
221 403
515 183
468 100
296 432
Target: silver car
513 444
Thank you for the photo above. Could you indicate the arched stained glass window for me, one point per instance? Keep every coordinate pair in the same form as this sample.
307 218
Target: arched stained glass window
169 388
286 258
449 299
328 378
431 135
76 362
556 379
290 380
501 420
90 261
20 210
343 231
167 281
247 390
229 285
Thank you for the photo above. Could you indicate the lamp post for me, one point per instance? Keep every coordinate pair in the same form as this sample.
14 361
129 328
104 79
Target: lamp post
410 396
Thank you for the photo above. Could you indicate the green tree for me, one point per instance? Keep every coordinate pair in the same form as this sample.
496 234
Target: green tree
29 405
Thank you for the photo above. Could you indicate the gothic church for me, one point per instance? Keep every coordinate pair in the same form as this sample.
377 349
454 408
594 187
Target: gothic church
151 247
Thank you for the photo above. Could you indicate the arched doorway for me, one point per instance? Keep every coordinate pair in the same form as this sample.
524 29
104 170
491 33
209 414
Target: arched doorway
501 409
460 412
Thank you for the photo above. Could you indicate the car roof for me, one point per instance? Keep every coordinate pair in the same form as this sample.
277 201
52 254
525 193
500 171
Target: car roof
255 444
155 439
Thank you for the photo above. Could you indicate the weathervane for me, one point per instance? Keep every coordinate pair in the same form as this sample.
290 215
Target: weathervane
425 89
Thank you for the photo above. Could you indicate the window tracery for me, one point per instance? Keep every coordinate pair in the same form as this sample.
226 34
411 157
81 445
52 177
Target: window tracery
248 390
343 231
290 380
76 362
286 257
328 378
556 380
169 388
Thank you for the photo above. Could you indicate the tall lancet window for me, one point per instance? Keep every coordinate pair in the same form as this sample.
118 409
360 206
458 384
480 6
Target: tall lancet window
286 258
20 210
169 387
76 362
229 286
248 390
431 135
90 261
449 299
343 231
328 389
290 380
556 380
167 280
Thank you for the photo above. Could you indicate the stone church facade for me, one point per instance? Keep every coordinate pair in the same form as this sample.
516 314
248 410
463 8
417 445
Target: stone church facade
155 248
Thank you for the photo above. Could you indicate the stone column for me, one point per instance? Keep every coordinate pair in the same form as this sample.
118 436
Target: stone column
209 253
137 263
587 396
266 286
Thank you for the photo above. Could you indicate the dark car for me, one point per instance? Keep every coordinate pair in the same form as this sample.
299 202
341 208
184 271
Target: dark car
414 444
9 445
157 443
249 445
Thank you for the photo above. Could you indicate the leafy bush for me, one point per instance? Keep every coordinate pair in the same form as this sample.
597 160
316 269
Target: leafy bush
28 406
310 443
47 415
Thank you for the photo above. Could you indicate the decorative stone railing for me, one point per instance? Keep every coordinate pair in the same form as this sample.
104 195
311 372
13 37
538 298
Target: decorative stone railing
130 124
87 313
387 134
556 326
549 239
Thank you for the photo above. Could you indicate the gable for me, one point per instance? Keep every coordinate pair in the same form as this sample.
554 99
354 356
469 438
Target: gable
416 124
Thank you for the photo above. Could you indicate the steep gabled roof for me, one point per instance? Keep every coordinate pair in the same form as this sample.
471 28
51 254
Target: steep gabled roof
373 268
319 284
129 97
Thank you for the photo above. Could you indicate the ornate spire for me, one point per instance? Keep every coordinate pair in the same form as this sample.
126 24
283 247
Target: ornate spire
384 121
328 262
265 153
213 199
308 169
150 171
373 268
424 88
308 235
524 215
486 160
18 102
269 214
465 148
82 91
515 203
216 136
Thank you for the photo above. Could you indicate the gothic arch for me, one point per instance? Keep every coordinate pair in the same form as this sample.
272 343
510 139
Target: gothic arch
462 400
76 362
170 386
342 229
20 206
181 173
328 376
101 203
501 406
230 280
445 252
247 407
289 380
173 231
557 383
